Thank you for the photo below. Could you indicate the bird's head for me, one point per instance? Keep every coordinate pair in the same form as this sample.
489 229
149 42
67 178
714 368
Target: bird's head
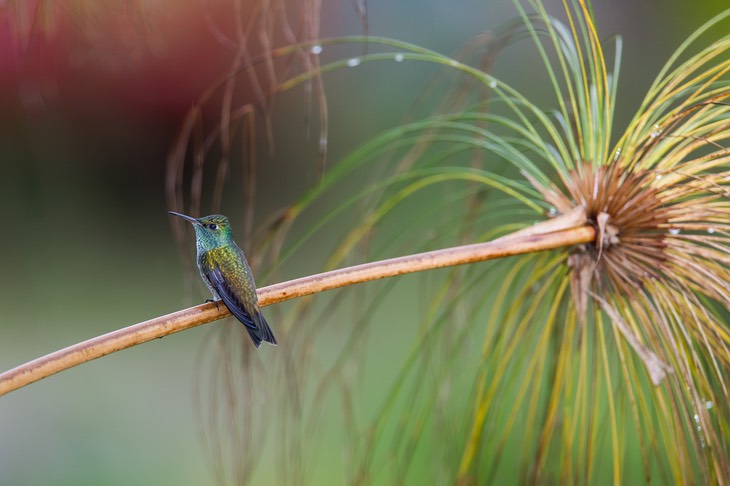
211 231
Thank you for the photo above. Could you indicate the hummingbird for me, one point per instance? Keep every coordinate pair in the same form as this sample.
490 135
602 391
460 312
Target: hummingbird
226 273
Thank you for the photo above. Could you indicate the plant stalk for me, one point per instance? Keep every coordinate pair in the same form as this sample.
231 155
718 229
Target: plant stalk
515 244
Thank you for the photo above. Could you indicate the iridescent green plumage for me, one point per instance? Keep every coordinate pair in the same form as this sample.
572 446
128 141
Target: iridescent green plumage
226 273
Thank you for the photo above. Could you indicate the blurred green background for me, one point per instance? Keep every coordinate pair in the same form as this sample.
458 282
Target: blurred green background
88 112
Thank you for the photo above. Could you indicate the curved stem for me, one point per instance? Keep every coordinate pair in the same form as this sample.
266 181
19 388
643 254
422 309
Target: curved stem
515 244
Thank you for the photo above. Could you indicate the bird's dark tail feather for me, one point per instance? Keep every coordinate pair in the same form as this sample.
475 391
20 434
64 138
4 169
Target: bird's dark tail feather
262 332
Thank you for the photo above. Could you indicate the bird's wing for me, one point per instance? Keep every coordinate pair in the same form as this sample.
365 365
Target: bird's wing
215 277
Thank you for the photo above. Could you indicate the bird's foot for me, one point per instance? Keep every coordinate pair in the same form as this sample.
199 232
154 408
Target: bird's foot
215 301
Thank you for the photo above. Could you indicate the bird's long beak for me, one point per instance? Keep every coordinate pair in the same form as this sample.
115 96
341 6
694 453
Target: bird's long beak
184 216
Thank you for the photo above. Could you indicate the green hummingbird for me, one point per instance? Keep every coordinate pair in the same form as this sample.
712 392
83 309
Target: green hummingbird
226 273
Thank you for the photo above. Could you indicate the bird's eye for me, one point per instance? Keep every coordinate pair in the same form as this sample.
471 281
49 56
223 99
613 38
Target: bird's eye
213 226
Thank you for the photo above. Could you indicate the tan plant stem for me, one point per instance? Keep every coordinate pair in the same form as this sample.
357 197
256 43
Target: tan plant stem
657 368
202 314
